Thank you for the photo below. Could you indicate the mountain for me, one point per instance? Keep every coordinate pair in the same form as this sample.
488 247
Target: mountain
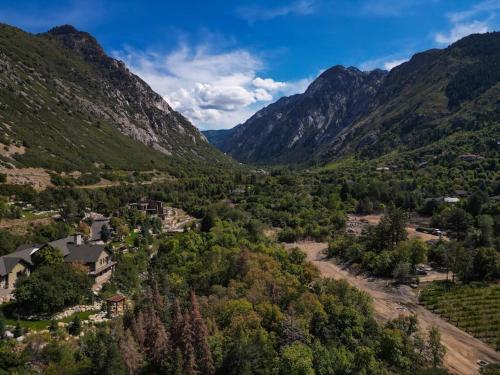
437 101
294 127
66 105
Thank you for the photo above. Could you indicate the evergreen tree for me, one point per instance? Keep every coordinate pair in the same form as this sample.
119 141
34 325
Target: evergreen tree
177 324
188 352
204 355
18 331
75 327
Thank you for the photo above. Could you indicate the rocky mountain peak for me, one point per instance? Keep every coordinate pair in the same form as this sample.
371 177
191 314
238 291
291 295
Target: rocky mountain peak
79 41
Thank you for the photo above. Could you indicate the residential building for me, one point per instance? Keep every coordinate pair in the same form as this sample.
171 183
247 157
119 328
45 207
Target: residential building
96 258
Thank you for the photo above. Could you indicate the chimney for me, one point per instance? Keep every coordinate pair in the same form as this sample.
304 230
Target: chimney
77 240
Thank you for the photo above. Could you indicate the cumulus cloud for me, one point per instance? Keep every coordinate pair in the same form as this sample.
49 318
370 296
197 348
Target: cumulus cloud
256 13
214 90
268 84
476 19
460 30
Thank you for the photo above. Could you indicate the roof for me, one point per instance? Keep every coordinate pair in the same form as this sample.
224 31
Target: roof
70 251
22 254
97 227
115 298
84 253
62 244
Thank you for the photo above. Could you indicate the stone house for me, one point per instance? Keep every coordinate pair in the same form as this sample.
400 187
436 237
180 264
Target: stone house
96 258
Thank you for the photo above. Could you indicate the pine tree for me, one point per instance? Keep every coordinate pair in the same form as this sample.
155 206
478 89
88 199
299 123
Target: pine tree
129 352
187 349
157 342
18 331
75 327
177 325
139 329
53 326
202 349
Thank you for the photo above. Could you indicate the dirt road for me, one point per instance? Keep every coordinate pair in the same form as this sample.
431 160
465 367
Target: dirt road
463 350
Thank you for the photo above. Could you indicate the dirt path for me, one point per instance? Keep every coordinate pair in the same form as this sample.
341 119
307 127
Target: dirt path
463 350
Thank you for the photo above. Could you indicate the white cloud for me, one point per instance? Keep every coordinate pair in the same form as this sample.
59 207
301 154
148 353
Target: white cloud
214 90
389 65
255 13
460 30
474 20
385 62
268 83
487 6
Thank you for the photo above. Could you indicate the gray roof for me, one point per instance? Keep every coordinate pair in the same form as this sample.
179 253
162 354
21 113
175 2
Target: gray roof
84 253
23 253
71 253
97 227
62 244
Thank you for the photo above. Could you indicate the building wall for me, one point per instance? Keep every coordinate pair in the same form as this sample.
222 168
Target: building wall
102 260
12 277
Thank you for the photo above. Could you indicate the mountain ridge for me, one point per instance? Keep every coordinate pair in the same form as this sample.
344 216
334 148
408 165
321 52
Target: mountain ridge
73 107
416 104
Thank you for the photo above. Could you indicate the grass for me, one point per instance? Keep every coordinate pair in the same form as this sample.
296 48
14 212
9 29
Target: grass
38 325
473 308
130 239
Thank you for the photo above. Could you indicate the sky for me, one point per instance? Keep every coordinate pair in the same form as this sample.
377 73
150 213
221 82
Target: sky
219 61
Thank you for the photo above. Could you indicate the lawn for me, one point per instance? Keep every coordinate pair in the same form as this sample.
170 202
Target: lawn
474 308
38 325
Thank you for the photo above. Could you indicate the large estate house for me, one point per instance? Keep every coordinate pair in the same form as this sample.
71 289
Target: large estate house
96 258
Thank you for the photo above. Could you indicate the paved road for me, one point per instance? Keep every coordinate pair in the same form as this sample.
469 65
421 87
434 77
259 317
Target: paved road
463 350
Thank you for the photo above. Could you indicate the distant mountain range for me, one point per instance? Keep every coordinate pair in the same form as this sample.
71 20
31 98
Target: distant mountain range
66 105
439 100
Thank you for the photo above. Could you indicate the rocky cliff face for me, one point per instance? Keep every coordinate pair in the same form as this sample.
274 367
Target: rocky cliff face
68 101
153 123
293 128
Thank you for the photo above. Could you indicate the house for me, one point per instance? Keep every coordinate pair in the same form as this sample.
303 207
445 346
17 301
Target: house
16 265
451 200
151 207
96 258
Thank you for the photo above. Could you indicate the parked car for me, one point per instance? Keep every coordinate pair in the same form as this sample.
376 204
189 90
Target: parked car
482 363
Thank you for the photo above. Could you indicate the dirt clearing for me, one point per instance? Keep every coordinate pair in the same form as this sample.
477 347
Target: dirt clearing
463 350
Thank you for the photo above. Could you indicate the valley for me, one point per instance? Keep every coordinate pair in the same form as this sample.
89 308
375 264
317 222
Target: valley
350 228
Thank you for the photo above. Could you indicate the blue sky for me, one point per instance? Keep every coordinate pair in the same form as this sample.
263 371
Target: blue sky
219 61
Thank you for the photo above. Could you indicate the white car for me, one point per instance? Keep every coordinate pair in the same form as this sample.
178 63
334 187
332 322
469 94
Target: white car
482 363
